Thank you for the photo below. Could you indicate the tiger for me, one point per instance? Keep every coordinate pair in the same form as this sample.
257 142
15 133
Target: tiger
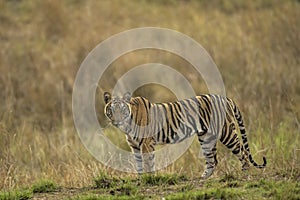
147 124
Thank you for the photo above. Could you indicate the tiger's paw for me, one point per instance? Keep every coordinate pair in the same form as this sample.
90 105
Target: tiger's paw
207 173
245 166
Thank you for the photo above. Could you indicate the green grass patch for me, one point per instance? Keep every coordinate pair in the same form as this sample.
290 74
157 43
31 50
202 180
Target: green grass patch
20 194
166 179
230 181
115 185
104 181
275 189
213 193
111 187
186 188
85 197
127 189
242 189
44 186
227 187
169 186
106 197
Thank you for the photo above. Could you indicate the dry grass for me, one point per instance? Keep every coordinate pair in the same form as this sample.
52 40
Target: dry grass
254 44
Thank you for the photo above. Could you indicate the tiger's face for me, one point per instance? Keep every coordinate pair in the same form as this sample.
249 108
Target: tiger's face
117 109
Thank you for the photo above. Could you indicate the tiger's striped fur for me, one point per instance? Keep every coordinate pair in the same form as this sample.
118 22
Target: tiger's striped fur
211 117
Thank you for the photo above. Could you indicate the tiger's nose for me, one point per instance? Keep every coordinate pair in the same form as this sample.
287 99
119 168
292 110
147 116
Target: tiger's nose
116 106
117 123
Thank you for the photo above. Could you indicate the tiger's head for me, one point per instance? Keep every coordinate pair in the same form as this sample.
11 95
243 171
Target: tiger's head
118 110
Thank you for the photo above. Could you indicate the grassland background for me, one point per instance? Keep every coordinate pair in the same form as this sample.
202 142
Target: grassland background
255 44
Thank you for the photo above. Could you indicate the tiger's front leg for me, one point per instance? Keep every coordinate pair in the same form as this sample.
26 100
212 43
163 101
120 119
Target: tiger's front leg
138 159
143 154
209 150
136 150
147 150
144 160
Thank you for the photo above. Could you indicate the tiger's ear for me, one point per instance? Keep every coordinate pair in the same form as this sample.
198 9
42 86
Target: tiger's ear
127 96
107 97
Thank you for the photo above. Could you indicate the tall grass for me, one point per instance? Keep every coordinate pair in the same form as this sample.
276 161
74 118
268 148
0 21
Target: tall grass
255 44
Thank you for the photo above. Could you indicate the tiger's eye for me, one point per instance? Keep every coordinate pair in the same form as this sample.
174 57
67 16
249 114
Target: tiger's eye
109 112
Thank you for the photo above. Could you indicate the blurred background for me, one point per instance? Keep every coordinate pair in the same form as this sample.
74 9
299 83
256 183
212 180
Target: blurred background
255 45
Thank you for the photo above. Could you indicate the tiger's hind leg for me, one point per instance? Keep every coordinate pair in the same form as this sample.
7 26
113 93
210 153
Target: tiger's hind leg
232 142
239 152
244 159
209 151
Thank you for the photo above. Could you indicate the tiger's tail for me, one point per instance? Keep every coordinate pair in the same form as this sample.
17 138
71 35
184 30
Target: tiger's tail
240 122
